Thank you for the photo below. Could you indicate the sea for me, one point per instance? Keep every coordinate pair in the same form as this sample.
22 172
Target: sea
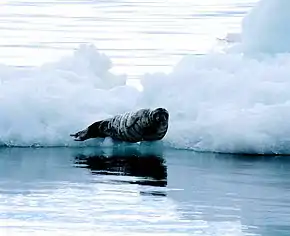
220 67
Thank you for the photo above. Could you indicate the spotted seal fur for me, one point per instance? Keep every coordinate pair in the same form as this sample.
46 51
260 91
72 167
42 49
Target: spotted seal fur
141 125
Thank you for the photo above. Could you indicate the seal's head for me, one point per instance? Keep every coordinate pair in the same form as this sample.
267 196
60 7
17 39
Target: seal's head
160 115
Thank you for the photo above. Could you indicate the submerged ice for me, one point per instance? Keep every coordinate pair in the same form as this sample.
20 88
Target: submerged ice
220 102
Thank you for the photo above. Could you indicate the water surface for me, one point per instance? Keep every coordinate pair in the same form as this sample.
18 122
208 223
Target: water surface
139 36
117 191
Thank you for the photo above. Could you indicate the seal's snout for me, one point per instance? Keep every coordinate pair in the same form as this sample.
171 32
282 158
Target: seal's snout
161 115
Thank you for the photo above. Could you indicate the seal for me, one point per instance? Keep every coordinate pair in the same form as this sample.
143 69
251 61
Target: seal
141 125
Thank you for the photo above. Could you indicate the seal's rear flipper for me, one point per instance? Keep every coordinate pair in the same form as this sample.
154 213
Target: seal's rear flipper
95 130
81 135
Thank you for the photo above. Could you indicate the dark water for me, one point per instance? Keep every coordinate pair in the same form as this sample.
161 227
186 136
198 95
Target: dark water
129 191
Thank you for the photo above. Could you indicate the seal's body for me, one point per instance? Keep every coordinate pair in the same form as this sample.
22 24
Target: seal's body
142 125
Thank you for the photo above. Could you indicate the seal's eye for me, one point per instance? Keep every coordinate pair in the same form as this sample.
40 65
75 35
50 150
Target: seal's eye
161 116
157 117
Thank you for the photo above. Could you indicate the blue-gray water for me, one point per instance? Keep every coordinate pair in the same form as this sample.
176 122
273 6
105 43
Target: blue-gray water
126 191
139 36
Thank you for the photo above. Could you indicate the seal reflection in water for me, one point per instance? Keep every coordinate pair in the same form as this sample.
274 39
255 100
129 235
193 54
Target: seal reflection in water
142 125
150 169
